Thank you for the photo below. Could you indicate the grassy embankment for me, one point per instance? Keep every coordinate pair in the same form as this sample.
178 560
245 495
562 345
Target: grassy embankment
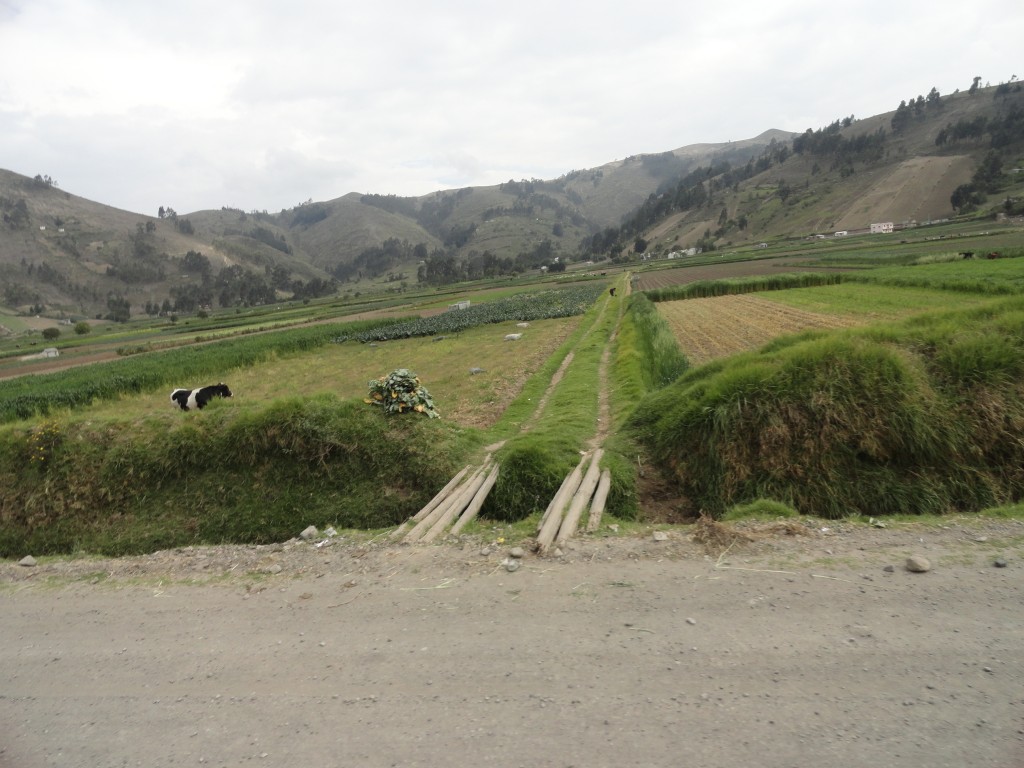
924 415
89 479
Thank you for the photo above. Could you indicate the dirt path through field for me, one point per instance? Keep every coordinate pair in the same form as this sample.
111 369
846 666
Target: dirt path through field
819 649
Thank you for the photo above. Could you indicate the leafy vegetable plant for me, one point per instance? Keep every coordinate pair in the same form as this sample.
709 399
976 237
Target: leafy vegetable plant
401 392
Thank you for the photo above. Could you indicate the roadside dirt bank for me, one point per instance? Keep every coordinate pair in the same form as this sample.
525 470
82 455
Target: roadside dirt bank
790 646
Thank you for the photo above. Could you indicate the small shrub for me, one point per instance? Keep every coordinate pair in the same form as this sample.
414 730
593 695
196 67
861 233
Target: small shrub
531 474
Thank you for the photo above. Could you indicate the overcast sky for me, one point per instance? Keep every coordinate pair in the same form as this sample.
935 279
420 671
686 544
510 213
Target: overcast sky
263 105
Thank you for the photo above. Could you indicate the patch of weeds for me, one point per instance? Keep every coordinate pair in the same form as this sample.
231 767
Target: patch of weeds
760 509
1011 511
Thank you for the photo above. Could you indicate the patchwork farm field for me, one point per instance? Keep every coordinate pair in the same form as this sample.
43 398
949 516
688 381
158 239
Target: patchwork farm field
711 328
870 302
663 278
708 329
469 400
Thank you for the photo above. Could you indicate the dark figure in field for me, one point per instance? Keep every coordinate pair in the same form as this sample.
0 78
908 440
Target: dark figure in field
611 291
187 399
968 254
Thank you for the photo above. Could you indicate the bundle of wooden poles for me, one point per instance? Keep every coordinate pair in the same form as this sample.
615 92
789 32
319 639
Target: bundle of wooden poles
582 487
459 501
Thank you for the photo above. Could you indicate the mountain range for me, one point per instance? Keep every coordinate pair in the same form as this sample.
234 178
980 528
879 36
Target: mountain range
64 255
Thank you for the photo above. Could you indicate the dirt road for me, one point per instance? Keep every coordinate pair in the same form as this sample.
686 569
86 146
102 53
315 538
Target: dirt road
785 651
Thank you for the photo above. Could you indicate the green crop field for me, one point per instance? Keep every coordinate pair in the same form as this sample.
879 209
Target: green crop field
345 369
872 302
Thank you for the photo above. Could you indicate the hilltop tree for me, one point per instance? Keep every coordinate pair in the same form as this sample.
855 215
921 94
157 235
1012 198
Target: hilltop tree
901 118
974 86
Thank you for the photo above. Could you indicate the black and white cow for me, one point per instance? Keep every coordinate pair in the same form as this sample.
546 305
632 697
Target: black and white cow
187 399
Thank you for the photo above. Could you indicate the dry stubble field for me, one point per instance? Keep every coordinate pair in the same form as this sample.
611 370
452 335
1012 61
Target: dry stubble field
708 329
663 278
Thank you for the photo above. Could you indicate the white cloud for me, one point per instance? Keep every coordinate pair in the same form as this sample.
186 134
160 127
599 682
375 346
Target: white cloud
264 105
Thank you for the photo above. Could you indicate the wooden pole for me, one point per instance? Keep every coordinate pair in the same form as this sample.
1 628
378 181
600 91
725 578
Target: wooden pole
600 497
423 525
453 509
557 506
551 504
477 502
431 505
565 492
580 500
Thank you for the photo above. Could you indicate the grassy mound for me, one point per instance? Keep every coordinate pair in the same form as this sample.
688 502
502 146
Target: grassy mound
531 472
647 344
220 475
922 417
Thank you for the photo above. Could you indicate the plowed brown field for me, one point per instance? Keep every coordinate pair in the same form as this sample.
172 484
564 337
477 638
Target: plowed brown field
663 278
726 325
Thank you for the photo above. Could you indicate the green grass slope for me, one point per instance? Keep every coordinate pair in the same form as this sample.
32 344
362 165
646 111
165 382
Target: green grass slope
220 475
926 416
